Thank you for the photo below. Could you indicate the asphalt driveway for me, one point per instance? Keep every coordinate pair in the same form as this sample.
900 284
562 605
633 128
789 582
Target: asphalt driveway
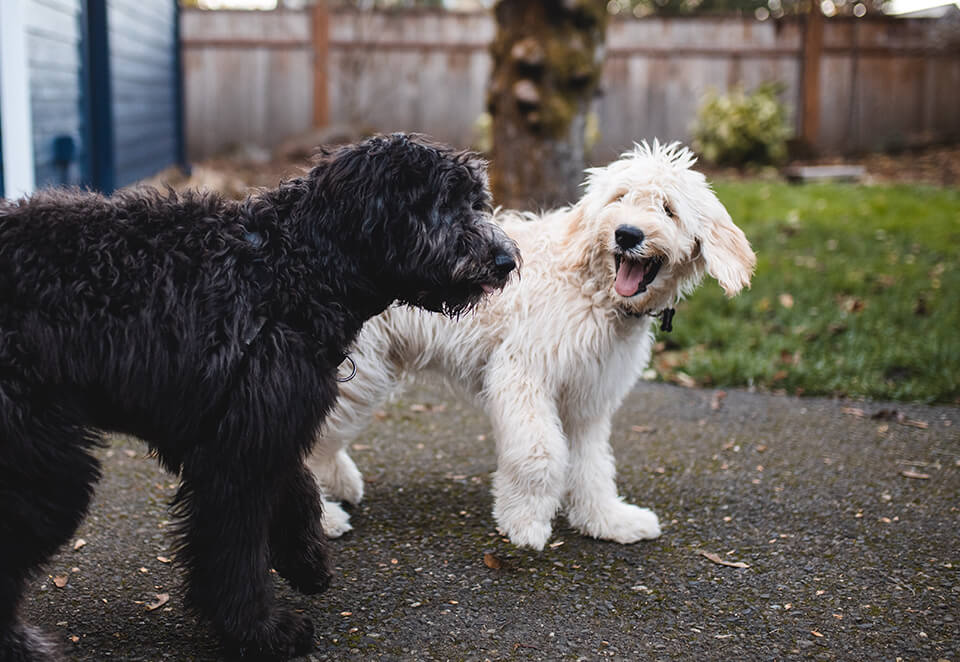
846 515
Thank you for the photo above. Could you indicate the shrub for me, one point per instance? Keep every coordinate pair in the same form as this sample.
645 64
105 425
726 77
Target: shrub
738 128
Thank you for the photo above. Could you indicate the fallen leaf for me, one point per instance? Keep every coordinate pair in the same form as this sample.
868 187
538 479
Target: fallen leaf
79 543
554 545
427 408
815 633
685 380
346 613
907 473
74 638
360 447
719 561
923 425
492 561
60 581
163 559
920 308
643 429
851 304
853 411
836 328
779 375
162 599
717 400
786 300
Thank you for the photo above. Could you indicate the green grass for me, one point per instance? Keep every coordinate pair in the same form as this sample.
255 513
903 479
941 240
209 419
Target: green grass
857 292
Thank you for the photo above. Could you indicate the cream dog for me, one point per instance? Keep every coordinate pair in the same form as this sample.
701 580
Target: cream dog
551 358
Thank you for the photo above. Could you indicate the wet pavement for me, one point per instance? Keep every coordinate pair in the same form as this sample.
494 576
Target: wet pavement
846 513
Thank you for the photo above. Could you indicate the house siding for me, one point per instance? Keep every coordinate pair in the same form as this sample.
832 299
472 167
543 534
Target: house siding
54 33
144 86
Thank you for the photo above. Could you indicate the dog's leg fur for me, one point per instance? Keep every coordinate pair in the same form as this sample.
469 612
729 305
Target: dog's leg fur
238 520
532 455
592 504
297 540
378 375
34 523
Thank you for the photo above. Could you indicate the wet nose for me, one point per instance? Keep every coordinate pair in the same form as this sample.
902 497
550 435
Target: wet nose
628 236
504 263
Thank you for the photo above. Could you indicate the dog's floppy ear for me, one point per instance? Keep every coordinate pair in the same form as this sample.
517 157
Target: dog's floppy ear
726 252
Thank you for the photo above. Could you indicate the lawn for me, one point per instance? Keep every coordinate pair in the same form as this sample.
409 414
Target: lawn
857 292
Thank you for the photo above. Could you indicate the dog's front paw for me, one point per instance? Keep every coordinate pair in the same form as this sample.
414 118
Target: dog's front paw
339 478
286 636
532 534
336 521
618 521
523 531
306 569
525 519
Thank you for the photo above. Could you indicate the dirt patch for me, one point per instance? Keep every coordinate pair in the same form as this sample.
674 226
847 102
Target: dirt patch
235 174
935 166
932 166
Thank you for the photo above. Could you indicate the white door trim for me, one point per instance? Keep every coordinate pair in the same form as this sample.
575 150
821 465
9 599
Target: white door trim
17 124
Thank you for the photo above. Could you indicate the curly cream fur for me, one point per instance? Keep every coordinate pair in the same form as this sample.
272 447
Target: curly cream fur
551 358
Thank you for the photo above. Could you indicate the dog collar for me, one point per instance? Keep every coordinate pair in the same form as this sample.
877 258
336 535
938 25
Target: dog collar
665 315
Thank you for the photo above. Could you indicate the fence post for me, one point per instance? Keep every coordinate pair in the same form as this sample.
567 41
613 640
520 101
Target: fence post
321 50
812 49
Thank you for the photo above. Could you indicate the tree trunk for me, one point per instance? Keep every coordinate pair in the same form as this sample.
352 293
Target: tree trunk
547 60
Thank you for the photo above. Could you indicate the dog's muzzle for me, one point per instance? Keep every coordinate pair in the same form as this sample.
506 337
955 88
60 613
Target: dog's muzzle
634 273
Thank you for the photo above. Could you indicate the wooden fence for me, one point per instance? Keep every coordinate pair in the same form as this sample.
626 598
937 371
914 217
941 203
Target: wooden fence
850 84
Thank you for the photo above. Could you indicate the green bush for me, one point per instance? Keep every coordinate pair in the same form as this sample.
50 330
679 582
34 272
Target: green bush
738 128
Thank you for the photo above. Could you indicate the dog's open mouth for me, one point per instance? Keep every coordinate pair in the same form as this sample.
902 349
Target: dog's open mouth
633 276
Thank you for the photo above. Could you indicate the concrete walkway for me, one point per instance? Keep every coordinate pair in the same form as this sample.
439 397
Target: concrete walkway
850 526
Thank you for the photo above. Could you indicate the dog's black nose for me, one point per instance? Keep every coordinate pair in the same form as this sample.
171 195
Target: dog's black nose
504 264
628 236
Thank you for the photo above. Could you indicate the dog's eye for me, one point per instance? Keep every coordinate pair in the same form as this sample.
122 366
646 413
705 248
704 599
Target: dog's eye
481 205
668 210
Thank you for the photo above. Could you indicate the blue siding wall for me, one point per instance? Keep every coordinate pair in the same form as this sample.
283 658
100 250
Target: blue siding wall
54 48
144 86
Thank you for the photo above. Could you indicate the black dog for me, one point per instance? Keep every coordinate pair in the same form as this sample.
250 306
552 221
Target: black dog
213 330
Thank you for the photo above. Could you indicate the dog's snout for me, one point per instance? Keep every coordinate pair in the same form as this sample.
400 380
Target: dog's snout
628 236
504 263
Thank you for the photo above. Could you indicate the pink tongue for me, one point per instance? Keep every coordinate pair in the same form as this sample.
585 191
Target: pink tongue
629 276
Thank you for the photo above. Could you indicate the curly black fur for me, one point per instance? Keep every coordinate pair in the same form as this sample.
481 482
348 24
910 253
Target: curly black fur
213 329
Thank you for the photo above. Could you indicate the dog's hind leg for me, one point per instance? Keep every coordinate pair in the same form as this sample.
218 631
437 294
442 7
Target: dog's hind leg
46 481
377 376
592 504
